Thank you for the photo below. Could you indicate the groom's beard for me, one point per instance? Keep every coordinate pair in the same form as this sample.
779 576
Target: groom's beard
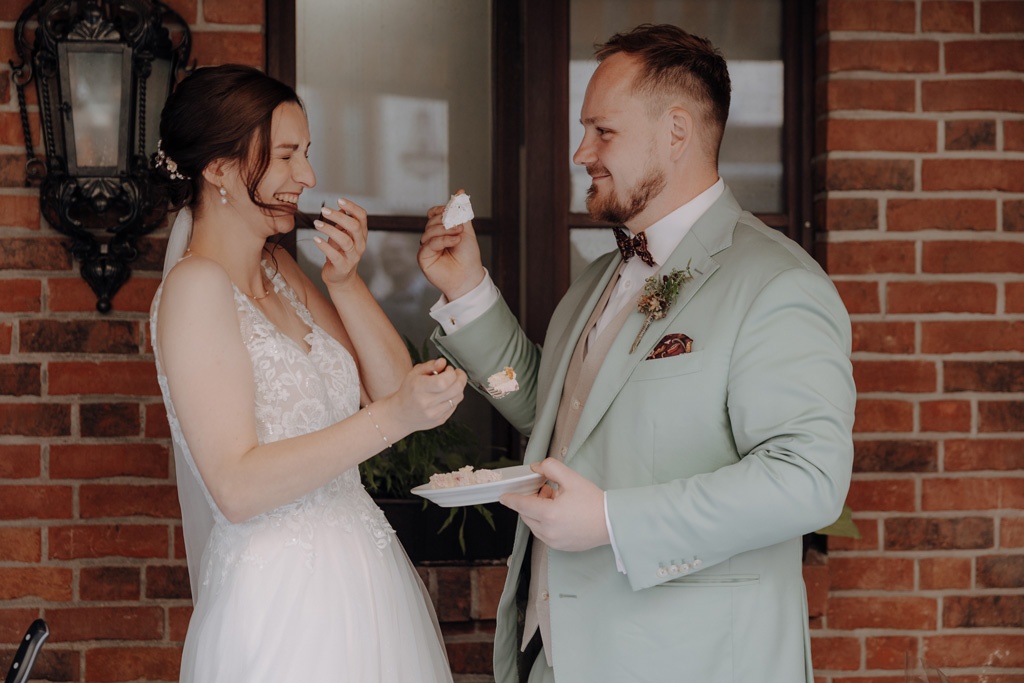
610 209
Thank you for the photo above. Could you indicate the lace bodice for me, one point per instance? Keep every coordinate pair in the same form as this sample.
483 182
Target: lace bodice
298 391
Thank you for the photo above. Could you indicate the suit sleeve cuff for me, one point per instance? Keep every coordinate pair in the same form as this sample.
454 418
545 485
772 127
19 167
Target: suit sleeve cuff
451 315
619 564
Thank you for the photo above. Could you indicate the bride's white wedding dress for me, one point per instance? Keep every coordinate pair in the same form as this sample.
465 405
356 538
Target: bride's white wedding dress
316 590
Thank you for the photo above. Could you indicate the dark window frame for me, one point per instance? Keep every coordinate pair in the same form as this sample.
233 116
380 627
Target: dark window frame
502 225
546 55
530 183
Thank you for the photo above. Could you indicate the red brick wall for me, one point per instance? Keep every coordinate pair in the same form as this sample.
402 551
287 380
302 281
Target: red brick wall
920 185
89 531
90 537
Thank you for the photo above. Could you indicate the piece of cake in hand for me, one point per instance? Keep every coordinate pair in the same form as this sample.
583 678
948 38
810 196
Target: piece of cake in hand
457 211
464 476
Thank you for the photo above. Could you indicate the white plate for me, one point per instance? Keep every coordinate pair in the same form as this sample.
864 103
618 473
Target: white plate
518 479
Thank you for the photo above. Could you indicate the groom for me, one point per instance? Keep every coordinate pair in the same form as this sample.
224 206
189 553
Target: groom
687 457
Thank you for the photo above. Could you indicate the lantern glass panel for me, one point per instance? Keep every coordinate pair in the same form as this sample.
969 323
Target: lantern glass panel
96 92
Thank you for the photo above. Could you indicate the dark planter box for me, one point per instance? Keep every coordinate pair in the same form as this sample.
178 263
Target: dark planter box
417 529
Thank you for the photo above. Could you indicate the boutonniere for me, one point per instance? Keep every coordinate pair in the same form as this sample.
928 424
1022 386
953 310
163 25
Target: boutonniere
658 296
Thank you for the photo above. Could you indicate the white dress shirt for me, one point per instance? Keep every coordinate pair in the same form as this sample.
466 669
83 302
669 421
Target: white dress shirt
662 239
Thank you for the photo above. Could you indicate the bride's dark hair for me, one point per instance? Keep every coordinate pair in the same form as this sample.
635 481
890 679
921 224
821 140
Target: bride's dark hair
219 112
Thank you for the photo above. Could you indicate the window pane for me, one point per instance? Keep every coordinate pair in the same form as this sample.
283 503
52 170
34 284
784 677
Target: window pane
585 245
389 268
749 35
398 94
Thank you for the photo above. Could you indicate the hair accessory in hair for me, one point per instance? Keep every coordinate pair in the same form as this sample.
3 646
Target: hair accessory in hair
172 166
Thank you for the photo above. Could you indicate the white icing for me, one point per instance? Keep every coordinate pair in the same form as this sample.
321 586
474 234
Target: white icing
457 211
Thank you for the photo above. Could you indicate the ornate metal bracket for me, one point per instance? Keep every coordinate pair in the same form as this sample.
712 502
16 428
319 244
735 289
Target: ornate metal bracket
97 195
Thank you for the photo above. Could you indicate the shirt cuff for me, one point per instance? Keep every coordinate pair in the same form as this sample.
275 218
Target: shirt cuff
611 537
451 315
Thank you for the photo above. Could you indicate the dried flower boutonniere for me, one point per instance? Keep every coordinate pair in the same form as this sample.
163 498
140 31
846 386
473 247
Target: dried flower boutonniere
658 296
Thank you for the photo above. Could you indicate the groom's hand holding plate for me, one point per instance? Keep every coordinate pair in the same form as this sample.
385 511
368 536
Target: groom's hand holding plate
569 513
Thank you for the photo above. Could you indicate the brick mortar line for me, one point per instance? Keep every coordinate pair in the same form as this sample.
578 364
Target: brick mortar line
938 436
911 278
931 515
920 76
942 155
887 114
933 195
941 37
946 475
940 317
913 76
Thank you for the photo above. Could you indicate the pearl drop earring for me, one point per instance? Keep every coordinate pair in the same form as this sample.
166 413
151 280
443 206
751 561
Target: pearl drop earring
223 195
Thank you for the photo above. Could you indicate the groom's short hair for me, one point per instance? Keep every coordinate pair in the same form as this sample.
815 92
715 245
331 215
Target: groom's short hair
674 63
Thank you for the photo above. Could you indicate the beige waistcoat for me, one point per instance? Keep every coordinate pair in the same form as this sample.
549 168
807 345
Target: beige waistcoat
579 378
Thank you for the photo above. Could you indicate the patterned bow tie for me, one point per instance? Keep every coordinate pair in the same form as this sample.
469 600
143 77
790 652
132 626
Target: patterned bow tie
628 246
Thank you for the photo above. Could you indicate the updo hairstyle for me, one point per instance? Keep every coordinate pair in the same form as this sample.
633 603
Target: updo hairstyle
219 112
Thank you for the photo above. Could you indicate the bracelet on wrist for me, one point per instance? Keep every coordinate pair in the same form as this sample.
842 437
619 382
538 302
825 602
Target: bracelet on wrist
377 426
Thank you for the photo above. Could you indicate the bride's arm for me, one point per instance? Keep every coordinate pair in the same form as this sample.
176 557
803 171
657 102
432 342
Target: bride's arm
210 377
352 312
358 322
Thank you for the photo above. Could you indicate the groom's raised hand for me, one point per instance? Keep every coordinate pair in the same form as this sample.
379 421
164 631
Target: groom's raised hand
568 516
450 259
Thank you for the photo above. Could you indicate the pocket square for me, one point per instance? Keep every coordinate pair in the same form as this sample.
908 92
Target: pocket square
671 345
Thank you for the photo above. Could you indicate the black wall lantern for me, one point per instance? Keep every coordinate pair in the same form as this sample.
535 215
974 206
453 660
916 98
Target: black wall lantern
103 70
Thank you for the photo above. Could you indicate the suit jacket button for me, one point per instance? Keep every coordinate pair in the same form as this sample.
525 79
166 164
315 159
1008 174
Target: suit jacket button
662 572
697 563
673 569
684 568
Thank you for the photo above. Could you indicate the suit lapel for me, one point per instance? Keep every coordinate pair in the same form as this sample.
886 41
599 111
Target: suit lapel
710 234
561 344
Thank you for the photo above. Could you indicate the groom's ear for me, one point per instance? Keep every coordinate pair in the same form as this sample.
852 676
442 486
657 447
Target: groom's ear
681 131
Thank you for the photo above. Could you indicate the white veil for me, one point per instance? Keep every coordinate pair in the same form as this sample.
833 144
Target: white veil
177 243
196 516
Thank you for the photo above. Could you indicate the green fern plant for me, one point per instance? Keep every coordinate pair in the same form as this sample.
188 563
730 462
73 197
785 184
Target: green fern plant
411 461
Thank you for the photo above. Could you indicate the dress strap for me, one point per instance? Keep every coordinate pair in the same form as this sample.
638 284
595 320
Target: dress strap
281 285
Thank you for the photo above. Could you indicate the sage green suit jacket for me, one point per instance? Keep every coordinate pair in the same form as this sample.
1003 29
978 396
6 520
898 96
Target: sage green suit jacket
715 462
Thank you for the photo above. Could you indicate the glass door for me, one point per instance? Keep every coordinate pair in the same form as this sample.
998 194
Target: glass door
403 111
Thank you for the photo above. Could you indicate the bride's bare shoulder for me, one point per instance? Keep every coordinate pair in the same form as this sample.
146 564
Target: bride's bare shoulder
196 288
196 276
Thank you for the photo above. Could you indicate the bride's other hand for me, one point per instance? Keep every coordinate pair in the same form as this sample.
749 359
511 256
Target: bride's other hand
427 397
342 239
450 259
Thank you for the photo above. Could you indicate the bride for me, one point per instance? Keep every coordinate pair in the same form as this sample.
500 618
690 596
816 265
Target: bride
296 574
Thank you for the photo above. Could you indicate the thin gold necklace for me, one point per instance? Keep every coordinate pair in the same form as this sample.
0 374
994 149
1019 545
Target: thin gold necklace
266 290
